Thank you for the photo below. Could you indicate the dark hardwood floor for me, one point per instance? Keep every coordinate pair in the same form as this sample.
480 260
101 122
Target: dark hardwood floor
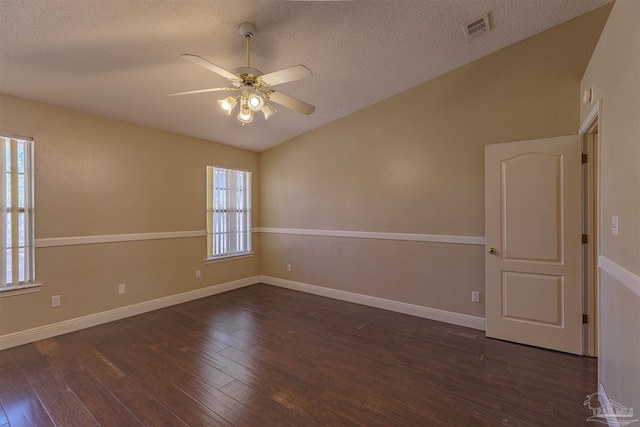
266 356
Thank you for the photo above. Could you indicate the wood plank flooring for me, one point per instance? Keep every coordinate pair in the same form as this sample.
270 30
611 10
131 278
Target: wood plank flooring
266 356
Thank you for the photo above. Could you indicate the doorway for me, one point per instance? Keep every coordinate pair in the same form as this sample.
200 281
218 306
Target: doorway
542 307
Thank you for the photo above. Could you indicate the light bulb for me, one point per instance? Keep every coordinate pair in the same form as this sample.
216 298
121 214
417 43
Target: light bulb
255 102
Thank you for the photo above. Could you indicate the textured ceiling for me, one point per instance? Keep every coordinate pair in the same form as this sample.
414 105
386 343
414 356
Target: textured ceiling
119 59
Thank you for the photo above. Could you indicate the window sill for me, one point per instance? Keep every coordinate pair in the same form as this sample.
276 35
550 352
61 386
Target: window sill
10 291
228 258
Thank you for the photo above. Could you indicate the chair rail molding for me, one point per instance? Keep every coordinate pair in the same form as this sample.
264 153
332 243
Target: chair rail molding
435 238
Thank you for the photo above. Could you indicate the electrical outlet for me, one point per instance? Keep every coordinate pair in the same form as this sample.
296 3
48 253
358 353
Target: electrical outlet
288 267
198 274
121 289
475 296
55 301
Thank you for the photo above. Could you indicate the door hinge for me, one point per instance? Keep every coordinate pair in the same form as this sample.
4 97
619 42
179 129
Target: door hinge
585 158
585 319
585 239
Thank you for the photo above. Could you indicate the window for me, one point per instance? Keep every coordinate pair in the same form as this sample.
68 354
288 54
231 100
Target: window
228 212
17 264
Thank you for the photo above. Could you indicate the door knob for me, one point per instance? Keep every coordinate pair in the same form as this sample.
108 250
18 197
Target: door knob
493 251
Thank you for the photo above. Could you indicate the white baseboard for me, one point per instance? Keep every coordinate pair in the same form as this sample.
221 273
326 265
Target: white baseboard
24 337
611 419
48 331
385 304
607 411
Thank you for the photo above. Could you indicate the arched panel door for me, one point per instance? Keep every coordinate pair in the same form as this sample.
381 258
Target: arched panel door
533 263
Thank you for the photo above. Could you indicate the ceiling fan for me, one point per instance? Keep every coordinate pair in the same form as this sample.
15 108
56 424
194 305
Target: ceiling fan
254 86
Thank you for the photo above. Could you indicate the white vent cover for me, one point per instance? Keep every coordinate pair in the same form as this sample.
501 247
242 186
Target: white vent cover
476 27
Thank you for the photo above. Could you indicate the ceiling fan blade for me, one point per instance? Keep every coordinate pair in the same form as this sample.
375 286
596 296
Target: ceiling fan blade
297 72
290 102
209 66
215 89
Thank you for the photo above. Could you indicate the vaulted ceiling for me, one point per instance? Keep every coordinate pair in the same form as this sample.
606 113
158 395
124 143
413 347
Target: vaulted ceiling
120 59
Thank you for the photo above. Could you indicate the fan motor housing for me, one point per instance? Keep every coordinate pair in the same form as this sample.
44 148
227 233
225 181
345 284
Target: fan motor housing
247 75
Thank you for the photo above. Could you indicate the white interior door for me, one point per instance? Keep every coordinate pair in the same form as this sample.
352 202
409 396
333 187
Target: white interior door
533 263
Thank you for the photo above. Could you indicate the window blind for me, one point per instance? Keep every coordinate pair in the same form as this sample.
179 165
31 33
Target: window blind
228 212
16 232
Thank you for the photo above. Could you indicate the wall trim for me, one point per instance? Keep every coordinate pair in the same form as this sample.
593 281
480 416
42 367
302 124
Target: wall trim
71 325
47 331
590 119
436 238
385 304
12 291
113 238
132 237
610 417
621 274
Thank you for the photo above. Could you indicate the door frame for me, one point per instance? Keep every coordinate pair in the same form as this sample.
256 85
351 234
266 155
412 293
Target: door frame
589 131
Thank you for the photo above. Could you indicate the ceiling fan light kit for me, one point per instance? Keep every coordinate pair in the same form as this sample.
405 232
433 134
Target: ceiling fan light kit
254 86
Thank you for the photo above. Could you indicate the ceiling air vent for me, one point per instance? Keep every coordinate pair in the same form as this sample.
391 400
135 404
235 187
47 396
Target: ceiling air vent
476 27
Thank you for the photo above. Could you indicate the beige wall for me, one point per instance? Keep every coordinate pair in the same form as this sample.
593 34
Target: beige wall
614 75
96 176
410 164
414 163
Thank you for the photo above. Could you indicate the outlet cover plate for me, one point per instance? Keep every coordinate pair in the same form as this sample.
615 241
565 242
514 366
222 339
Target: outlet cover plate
475 296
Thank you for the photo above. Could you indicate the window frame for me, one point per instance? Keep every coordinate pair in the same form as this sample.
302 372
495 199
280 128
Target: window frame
27 258
240 245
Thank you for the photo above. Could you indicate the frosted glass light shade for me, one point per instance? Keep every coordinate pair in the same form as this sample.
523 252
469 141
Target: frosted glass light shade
268 111
227 104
